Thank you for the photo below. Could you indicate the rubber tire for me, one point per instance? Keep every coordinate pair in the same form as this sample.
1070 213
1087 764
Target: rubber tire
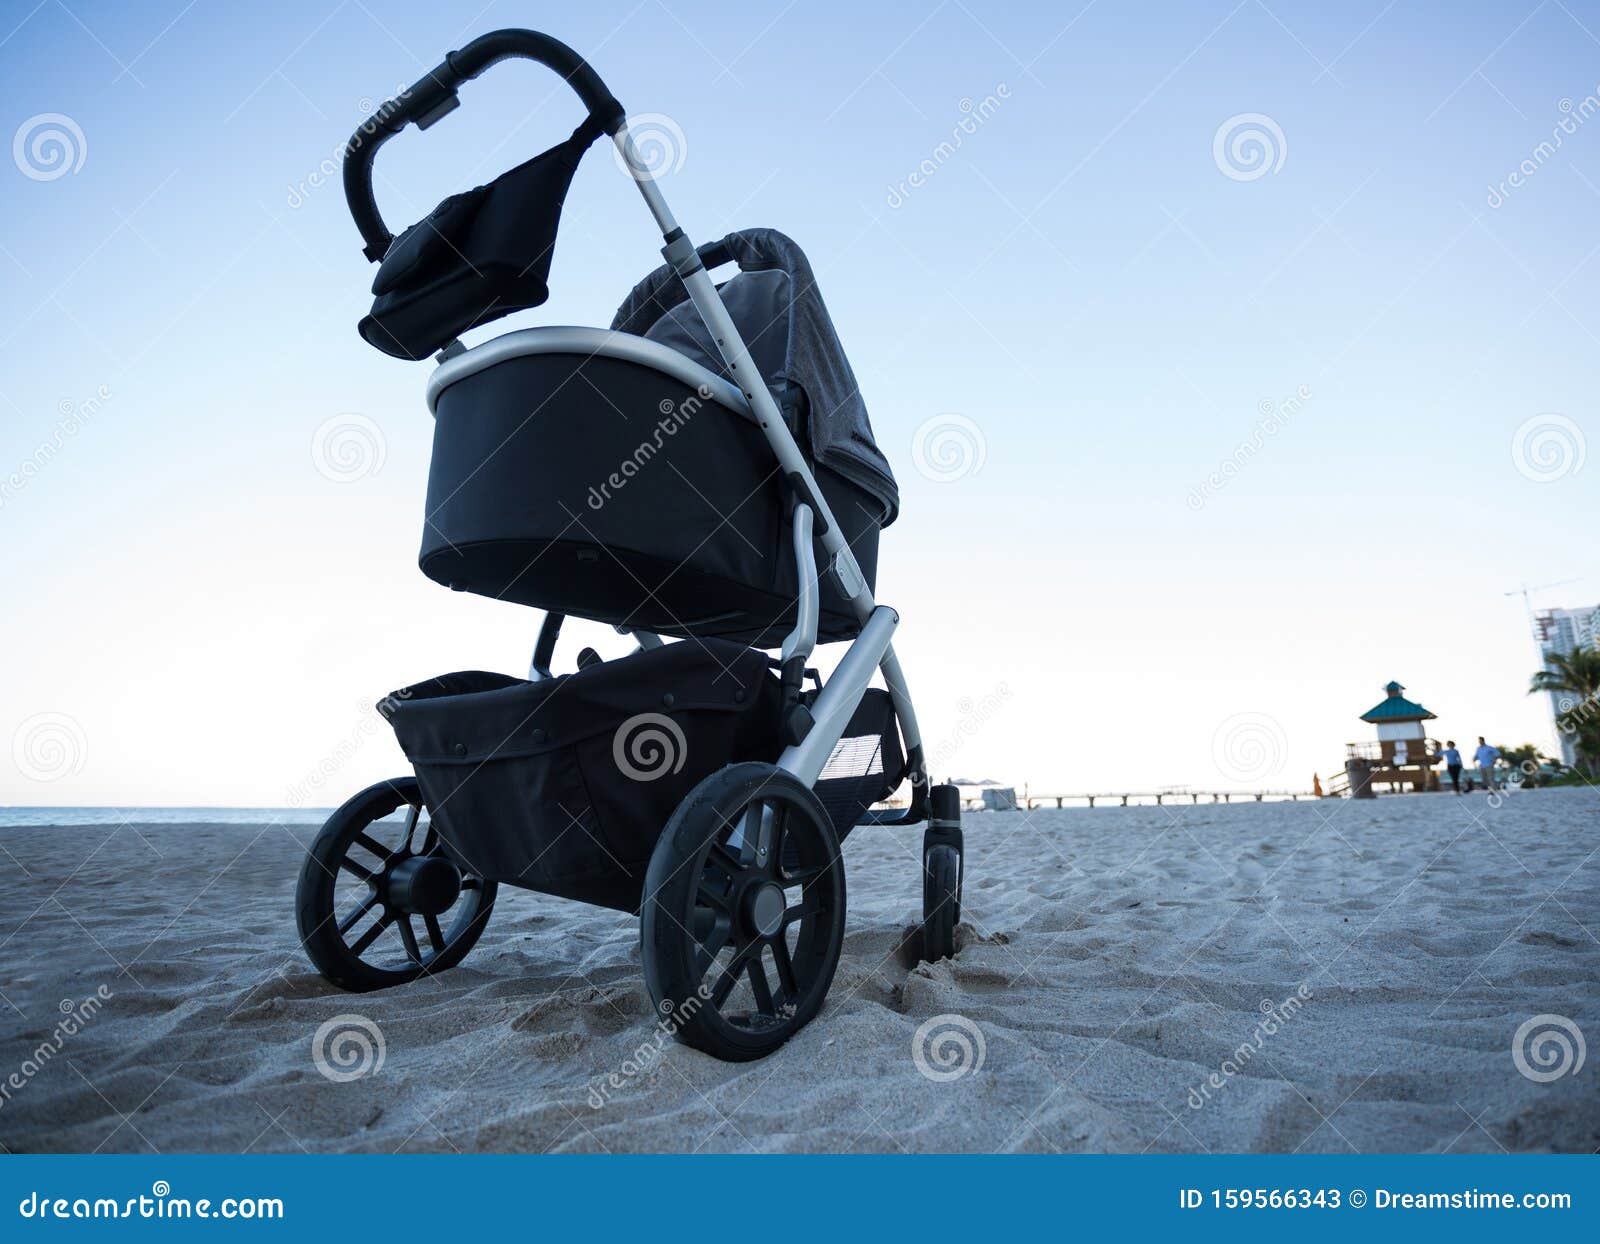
319 932
941 881
669 889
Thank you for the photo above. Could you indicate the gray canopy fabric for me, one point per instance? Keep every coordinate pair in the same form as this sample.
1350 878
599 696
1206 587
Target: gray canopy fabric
778 309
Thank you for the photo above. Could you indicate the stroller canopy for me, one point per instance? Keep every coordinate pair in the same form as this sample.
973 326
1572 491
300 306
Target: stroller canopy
779 311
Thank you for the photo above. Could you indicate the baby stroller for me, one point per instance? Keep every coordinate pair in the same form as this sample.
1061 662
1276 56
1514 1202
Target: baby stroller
702 472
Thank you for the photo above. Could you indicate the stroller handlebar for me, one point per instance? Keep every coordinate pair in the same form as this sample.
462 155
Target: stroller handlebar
434 94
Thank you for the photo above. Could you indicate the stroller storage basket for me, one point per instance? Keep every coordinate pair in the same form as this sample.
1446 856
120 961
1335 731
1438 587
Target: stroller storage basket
865 766
571 473
564 785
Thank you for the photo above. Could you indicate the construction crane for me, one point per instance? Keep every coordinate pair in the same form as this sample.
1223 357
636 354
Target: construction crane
1526 592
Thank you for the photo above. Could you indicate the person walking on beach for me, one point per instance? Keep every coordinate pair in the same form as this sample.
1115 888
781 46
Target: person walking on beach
1484 759
1452 764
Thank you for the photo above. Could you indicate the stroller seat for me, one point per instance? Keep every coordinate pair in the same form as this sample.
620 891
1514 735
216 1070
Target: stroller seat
604 474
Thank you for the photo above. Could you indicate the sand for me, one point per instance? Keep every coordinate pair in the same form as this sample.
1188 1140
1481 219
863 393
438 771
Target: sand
1112 965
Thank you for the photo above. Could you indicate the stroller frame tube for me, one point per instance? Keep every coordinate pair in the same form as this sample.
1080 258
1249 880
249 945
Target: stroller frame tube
802 641
872 648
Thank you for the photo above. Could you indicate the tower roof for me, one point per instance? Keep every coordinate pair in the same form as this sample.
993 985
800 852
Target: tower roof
1395 707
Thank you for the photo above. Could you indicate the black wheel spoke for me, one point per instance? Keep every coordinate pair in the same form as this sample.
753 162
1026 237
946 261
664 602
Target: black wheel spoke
800 876
413 814
435 933
731 973
810 905
749 834
371 935
350 866
472 883
408 935
710 945
372 846
724 860
430 840
778 836
788 988
708 896
758 987
350 921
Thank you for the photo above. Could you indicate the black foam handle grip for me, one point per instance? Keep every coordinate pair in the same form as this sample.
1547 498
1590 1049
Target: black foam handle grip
434 94
715 254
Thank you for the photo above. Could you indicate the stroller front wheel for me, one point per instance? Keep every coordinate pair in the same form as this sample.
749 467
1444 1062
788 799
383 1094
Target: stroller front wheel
743 912
941 902
372 880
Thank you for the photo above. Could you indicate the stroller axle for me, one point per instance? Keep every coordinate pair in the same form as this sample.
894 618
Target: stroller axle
423 885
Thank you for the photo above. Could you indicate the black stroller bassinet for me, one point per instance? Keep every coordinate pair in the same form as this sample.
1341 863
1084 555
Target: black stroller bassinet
617 476
705 470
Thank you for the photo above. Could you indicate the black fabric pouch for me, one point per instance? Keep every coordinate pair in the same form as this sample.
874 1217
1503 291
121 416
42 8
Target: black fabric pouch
866 765
563 786
479 255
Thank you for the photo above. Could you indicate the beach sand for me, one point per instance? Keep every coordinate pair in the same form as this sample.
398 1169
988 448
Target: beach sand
1113 963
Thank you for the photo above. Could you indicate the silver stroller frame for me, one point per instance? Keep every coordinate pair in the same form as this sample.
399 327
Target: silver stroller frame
873 648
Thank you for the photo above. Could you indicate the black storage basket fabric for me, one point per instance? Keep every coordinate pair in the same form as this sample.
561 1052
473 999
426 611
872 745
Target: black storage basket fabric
867 764
563 786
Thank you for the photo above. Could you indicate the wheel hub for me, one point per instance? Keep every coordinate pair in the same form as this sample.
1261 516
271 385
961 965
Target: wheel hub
424 885
764 906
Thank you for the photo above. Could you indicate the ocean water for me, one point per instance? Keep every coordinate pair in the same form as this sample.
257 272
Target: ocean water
10 817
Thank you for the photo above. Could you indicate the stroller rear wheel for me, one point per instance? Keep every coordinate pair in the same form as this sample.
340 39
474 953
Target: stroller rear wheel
743 912
372 880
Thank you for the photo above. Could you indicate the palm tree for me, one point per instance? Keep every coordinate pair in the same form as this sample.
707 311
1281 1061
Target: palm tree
1575 679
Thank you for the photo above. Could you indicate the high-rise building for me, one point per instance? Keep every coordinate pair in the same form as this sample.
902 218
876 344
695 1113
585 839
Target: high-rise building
1565 631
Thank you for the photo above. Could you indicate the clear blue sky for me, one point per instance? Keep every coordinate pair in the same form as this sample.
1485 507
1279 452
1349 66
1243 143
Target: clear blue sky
204 616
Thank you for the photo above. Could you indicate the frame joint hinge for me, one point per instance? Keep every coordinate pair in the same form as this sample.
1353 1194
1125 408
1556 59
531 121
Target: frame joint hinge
681 255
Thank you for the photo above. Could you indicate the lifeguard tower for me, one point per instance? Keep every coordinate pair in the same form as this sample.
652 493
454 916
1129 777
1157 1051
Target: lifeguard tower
1402 756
